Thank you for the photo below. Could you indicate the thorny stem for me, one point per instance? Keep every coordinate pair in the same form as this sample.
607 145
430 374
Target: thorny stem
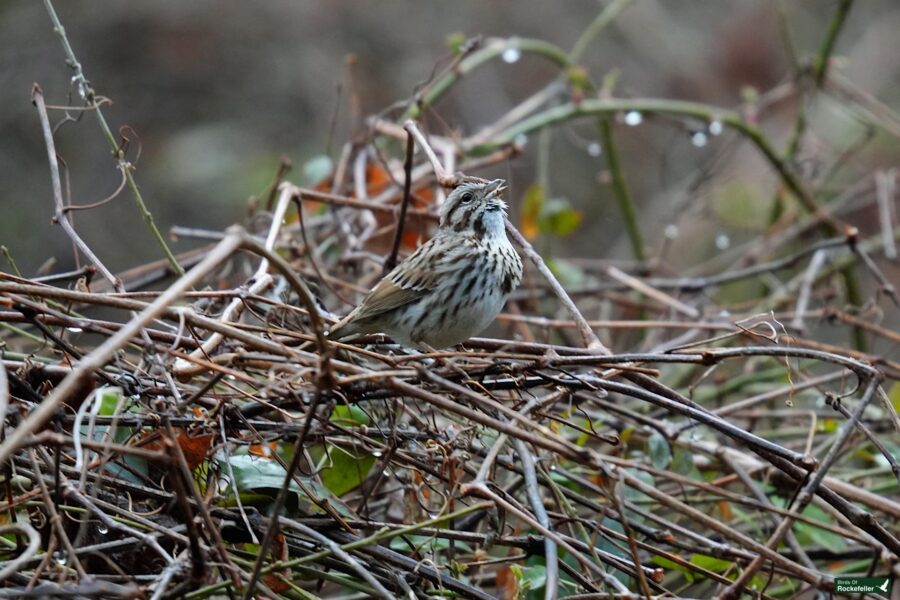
588 336
266 377
443 177
606 16
600 107
391 260
101 355
820 68
37 96
809 490
260 281
492 48
620 188
87 93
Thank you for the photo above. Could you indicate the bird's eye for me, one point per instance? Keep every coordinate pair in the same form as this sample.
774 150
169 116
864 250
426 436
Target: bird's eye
467 197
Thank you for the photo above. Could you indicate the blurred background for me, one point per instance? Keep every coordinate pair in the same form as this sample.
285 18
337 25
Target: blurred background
215 92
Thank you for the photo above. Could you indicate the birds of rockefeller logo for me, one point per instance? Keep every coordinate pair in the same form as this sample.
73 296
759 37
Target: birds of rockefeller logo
863 585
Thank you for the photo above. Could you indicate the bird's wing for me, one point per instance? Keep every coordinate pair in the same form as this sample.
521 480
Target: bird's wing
386 297
406 283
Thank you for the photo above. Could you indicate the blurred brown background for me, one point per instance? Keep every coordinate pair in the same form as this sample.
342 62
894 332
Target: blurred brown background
216 91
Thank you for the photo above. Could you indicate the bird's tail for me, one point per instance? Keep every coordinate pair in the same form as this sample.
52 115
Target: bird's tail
342 330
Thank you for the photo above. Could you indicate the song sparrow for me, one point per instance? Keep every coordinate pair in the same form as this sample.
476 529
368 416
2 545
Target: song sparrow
451 287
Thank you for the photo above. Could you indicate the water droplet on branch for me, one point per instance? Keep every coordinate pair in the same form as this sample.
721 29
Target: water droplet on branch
594 149
723 241
633 118
699 139
511 55
715 127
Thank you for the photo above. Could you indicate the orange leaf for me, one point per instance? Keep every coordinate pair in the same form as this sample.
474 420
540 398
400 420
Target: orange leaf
725 507
263 450
507 585
532 205
377 179
410 239
195 448
276 579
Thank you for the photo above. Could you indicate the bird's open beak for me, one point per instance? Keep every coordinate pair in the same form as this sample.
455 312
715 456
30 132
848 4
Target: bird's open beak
495 187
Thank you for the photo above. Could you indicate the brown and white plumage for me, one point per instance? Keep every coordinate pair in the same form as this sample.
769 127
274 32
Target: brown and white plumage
451 287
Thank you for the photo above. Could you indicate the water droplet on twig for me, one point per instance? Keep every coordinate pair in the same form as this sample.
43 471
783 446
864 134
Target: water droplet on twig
698 138
511 55
723 241
594 149
633 118
715 127
671 231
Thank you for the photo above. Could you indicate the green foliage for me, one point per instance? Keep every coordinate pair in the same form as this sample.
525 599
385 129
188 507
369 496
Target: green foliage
570 275
894 396
258 480
659 450
683 464
810 534
743 205
455 42
110 400
669 565
345 469
549 216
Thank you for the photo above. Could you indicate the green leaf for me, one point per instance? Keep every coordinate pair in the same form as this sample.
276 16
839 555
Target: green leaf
743 205
711 563
894 396
569 275
351 414
578 78
669 565
659 450
255 473
317 169
258 479
534 577
637 496
559 218
455 42
810 534
607 544
347 471
109 400
683 464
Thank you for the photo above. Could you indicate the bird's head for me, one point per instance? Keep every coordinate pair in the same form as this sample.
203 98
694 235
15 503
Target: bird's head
475 208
